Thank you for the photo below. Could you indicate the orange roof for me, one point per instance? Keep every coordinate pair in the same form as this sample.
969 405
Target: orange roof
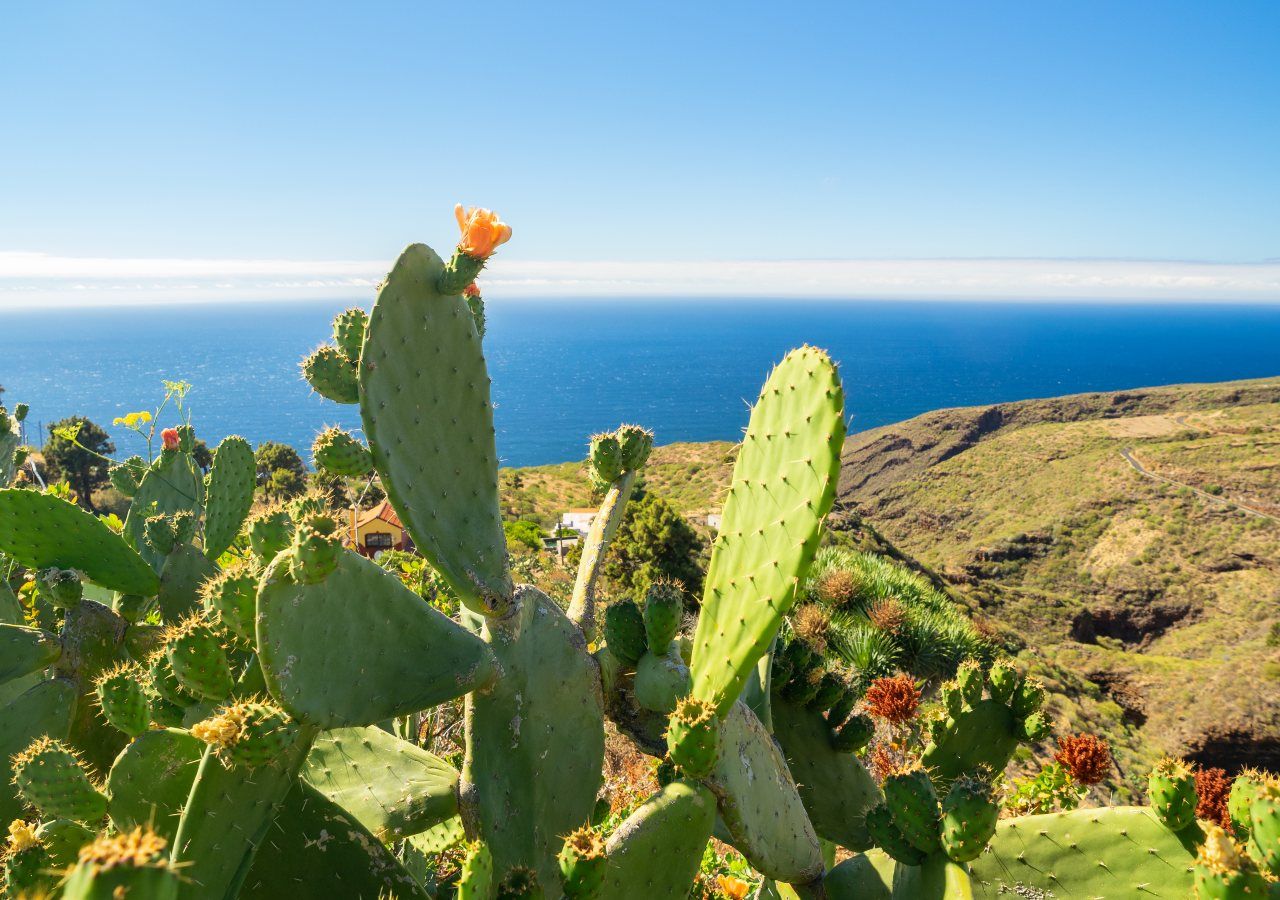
382 511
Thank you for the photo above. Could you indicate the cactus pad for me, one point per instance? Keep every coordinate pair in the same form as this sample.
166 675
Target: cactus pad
759 803
1120 852
535 739
413 658
836 789
25 650
51 778
693 736
47 708
123 699
123 865
394 788
230 495
657 850
784 483
425 405
40 530
151 778
172 485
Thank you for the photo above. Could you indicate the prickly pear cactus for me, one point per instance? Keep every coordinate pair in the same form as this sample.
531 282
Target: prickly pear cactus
784 483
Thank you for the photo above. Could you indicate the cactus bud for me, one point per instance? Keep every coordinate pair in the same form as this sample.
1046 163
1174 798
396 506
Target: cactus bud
475 880
1243 789
248 733
1028 698
51 778
1172 789
169 440
198 659
475 303
624 632
635 444
804 686
348 332
969 817
160 533
582 863
270 531
27 863
332 375
315 551
123 865
663 610
693 737
839 711
952 697
337 452
972 680
889 837
909 795
1223 870
1034 728
61 587
1004 681
123 699
854 734
233 597
605 457
184 527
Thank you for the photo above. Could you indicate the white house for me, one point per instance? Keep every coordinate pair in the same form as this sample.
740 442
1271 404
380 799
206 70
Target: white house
579 519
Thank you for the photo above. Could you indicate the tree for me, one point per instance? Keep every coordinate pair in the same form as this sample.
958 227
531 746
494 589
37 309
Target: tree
75 452
281 471
523 533
202 455
654 541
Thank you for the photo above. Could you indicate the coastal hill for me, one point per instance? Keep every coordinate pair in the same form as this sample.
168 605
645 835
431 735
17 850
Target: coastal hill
1126 544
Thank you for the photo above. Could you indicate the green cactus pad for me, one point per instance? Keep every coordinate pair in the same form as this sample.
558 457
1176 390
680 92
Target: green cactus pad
535 739
40 531
624 632
663 610
123 699
426 412
151 778
230 494
937 878
784 483
835 787
232 597
657 850
884 831
604 456
1117 853
582 863
969 817
351 862
332 375
51 778
122 867
198 660
1243 789
985 735
62 840
1264 825
1172 790
92 643
183 575
394 788
335 451
759 803
25 650
661 681
693 737
226 817
172 485
413 656
910 796
270 531
348 332
858 879
126 476
476 881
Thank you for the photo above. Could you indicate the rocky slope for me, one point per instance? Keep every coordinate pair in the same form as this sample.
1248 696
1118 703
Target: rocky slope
1128 542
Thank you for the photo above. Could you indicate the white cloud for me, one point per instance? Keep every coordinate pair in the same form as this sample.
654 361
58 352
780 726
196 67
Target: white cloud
30 279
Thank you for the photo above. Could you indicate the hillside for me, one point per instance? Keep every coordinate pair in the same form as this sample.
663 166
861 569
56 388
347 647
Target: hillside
1150 606
1105 533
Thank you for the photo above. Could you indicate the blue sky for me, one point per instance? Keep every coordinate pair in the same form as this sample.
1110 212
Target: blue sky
625 134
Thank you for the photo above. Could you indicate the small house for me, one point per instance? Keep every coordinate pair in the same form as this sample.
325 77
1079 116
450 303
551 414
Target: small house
579 519
379 529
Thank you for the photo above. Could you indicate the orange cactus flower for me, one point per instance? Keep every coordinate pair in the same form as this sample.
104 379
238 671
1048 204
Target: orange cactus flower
169 438
482 231
732 888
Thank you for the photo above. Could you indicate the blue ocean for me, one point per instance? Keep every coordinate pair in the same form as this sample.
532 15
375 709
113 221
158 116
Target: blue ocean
685 368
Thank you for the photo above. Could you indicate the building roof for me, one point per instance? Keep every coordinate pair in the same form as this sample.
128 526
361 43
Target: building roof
382 512
582 510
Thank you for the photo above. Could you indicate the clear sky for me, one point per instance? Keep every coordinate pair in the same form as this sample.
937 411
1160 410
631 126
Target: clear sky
621 135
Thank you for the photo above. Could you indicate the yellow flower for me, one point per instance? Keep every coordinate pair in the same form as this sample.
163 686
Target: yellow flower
733 888
482 231
131 420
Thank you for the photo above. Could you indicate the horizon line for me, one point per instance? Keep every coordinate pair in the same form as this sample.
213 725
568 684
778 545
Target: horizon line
31 278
